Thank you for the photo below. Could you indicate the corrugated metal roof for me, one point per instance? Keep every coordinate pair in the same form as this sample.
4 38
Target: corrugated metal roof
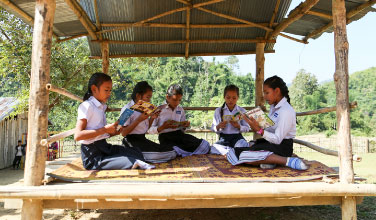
66 23
308 23
7 106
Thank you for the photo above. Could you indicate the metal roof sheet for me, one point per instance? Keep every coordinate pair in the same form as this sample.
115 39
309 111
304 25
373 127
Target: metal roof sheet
7 106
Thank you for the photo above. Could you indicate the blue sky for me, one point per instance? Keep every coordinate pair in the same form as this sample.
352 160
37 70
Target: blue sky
317 57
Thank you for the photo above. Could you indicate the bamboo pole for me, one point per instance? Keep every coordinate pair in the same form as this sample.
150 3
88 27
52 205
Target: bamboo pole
38 103
294 15
188 22
273 17
83 17
61 91
185 190
71 38
349 15
105 56
181 55
341 80
188 41
234 18
260 60
57 137
163 25
293 38
320 14
325 110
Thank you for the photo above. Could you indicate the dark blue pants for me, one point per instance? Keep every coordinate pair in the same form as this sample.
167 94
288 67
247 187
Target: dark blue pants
229 139
101 155
284 149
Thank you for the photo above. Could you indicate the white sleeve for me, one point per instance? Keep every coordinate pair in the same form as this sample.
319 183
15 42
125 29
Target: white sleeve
84 111
216 120
285 124
244 126
183 117
154 127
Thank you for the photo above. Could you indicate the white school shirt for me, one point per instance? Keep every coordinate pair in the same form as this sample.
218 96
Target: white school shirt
142 127
19 151
229 129
284 117
94 112
167 113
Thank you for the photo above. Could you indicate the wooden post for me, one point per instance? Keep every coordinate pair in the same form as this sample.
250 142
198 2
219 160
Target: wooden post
341 79
38 103
105 57
260 60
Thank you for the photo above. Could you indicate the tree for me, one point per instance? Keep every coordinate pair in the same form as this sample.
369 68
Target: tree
303 84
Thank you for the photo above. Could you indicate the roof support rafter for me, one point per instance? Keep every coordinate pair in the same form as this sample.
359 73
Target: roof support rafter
188 22
320 14
97 18
83 17
188 41
182 55
294 15
293 38
273 17
164 25
349 15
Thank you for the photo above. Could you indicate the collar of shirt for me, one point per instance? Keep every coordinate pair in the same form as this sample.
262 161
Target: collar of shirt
280 103
97 103
236 108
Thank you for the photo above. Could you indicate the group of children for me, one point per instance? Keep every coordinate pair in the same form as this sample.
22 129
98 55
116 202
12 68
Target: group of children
139 152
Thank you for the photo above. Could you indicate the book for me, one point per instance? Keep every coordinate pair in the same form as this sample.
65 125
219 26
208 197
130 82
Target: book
144 107
259 115
124 117
235 117
179 124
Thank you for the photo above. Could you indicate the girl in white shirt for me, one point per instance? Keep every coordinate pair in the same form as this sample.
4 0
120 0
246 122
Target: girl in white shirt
227 123
139 123
171 134
92 131
277 140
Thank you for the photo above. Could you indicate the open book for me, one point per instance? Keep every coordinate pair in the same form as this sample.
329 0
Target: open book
179 124
259 115
140 106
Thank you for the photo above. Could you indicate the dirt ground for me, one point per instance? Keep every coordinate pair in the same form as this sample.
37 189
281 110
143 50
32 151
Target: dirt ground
365 211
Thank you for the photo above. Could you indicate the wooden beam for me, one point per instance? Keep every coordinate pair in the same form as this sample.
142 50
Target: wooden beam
182 55
293 38
234 18
83 17
97 17
71 38
38 103
325 110
189 41
61 91
163 25
320 14
349 15
294 15
105 56
185 190
273 17
341 80
260 60
57 137
188 22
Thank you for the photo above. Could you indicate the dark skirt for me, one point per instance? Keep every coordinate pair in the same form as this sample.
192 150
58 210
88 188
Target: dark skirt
284 149
101 155
229 139
152 152
184 144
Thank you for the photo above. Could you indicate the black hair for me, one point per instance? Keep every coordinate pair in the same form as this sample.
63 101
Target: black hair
141 88
96 79
277 82
174 89
228 88
19 141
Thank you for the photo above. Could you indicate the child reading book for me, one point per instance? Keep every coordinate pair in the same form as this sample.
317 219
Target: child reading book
277 143
139 123
92 131
228 124
172 135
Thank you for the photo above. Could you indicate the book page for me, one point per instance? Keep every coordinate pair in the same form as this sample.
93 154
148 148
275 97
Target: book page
259 115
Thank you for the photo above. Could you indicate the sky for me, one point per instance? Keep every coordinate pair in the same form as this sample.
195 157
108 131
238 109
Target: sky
317 57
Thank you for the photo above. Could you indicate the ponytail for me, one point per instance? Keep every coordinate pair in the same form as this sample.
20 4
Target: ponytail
277 82
96 79
221 112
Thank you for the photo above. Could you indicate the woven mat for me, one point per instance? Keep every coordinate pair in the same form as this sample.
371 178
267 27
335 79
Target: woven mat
197 168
